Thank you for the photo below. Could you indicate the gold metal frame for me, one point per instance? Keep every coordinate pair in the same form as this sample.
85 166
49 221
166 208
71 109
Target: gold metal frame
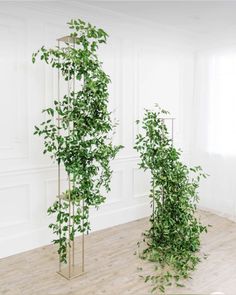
71 269
172 141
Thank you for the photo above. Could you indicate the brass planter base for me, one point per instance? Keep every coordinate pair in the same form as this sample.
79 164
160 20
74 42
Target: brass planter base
74 272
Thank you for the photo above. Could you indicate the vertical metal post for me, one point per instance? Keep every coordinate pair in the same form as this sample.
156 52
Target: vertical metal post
69 187
153 205
73 205
172 131
69 228
58 164
82 262
82 242
163 122
73 242
70 270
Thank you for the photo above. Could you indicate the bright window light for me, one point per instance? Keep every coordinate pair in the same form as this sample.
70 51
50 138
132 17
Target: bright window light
222 105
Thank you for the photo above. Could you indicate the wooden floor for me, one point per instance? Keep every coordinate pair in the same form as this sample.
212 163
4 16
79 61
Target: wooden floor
111 267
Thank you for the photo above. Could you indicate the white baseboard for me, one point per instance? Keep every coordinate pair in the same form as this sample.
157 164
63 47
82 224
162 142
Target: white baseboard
216 212
42 236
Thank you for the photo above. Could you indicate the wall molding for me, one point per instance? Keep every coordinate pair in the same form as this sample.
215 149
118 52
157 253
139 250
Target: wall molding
45 168
27 204
42 236
231 217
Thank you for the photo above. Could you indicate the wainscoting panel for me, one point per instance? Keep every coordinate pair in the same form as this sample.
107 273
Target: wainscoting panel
16 205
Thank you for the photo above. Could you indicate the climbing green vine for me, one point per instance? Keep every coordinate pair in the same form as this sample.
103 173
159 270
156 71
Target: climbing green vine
78 129
172 242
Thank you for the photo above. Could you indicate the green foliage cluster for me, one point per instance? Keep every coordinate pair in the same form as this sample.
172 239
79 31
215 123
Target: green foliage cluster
78 130
173 240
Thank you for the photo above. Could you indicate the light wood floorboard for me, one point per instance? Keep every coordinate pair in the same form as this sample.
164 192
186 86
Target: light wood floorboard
112 267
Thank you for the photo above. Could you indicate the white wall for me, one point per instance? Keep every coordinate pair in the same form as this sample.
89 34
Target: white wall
147 65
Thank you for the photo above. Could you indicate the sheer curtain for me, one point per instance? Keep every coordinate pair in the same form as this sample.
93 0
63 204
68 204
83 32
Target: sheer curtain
213 143
222 104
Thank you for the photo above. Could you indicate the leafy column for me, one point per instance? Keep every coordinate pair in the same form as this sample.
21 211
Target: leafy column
82 141
173 240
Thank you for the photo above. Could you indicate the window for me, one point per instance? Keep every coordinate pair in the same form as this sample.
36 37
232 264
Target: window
222 105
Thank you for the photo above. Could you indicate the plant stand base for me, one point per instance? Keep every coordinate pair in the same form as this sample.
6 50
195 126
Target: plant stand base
72 273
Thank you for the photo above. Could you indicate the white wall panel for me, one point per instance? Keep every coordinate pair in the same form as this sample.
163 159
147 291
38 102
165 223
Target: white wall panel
13 77
117 187
15 208
51 188
141 183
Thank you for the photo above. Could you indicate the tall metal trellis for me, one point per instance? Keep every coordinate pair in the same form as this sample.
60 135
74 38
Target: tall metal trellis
71 269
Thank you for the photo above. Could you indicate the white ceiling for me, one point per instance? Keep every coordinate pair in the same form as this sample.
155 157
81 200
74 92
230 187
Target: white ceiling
209 18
